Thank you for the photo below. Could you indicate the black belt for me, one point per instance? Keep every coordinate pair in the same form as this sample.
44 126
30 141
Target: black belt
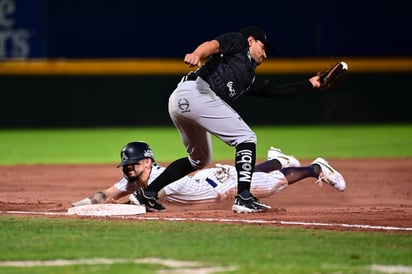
191 76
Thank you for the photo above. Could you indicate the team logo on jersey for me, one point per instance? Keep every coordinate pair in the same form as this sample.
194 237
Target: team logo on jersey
232 91
183 105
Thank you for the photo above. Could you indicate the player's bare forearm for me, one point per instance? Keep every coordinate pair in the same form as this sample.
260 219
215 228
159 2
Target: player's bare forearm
203 51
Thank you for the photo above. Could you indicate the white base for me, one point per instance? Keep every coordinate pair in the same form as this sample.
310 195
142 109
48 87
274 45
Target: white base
106 210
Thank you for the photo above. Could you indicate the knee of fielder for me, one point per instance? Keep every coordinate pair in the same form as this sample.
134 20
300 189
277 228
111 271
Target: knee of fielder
245 137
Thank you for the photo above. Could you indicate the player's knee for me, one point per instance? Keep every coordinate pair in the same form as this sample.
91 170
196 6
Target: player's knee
250 138
247 138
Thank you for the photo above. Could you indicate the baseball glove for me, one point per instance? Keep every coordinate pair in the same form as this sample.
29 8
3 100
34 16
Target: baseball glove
328 78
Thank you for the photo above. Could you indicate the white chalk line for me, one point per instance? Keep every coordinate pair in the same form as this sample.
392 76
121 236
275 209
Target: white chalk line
228 220
179 266
396 269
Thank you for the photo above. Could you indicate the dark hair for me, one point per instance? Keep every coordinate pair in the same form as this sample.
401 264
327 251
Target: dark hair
260 35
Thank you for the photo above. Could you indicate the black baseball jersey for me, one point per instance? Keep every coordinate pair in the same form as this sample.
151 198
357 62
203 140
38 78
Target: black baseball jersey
231 73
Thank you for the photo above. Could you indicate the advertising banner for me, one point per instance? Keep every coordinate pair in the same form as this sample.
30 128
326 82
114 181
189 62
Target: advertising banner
21 29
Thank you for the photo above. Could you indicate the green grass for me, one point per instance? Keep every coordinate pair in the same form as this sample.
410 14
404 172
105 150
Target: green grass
250 248
102 145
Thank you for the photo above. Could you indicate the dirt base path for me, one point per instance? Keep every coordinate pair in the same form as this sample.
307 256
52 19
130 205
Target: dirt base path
379 193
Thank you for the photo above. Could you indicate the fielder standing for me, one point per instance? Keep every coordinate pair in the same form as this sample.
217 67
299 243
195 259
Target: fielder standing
200 106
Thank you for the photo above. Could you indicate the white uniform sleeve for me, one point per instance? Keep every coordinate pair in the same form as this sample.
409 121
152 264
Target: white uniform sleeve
156 171
121 185
124 186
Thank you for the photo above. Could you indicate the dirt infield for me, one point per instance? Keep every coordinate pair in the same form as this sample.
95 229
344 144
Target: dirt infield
379 193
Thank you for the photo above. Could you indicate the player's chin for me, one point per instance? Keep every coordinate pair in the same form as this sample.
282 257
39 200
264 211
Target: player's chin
259 61
132 176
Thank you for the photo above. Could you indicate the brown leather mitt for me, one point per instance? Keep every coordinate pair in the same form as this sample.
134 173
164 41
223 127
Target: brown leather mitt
328 78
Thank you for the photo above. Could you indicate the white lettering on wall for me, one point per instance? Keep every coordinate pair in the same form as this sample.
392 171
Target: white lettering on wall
14 43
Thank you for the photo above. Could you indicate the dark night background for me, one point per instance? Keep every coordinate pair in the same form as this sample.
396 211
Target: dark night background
131 29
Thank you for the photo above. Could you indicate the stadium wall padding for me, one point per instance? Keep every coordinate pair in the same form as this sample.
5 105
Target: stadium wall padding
141 100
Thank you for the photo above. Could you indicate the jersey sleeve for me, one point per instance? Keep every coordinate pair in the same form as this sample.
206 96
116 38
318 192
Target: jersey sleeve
232 42
122 185
265 88
156 171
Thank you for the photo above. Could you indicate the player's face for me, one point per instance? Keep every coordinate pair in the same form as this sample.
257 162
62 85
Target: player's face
257 50
136 170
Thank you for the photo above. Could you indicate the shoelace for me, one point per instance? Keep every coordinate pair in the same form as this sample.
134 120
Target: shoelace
320 180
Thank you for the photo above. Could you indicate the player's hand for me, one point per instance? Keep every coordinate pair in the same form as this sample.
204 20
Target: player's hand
315 80
193 60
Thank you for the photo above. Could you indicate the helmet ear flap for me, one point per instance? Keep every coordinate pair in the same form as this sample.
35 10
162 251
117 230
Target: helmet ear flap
133 152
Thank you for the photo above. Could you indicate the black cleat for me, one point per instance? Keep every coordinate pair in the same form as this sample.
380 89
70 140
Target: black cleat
248 205
150 200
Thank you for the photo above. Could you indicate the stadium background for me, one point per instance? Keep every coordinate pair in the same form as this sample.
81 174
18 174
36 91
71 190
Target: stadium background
44 85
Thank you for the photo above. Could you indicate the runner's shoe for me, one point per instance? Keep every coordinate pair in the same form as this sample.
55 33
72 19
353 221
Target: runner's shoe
248 205
134 199
285 160
150 200
329 175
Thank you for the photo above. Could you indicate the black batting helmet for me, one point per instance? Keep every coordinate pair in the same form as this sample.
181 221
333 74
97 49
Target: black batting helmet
134 152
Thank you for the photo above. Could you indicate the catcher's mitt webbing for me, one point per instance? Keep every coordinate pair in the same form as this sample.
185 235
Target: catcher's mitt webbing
331 76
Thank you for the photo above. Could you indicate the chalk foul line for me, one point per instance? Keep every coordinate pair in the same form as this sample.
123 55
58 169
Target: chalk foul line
228 220
181 266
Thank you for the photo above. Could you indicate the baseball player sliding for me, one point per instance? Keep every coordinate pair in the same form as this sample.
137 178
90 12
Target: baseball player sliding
209 185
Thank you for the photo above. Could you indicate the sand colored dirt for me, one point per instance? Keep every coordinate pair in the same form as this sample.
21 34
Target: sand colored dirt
379 193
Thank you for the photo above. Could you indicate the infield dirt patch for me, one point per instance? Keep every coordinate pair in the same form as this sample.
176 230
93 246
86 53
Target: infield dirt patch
379 193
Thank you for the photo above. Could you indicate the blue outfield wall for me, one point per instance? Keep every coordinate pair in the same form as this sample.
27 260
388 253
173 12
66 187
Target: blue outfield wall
140 29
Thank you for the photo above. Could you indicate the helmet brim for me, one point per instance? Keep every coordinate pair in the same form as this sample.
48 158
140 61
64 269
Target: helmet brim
128 162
